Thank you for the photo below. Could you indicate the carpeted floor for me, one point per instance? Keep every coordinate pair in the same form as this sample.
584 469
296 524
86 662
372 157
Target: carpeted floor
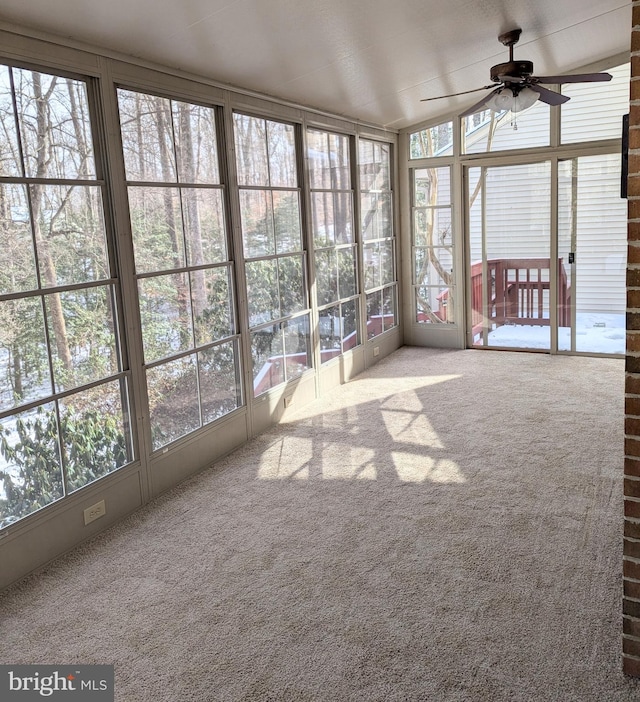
448 526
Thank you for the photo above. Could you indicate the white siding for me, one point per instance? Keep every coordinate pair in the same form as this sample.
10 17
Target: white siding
601 226
517 211
518 224
532 130
595 109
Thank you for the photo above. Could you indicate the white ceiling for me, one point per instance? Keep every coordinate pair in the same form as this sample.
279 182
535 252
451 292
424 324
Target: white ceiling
368 59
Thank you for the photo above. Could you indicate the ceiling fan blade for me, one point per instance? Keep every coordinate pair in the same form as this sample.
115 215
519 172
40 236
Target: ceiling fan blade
479 105
549 96
464 92
577 78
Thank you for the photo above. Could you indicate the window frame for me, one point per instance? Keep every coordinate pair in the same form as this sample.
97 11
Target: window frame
195 349
112 285
382 289
340 301
277 325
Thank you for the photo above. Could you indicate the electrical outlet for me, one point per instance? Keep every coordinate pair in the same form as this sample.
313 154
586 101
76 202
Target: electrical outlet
376 350
288 400
94 512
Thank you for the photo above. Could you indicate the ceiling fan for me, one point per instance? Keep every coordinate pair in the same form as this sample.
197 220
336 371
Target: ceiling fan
517 87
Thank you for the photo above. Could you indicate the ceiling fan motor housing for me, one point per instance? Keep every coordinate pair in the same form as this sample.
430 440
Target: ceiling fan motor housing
517 69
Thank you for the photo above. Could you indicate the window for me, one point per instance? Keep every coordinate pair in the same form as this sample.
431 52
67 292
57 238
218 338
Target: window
433 141
433 255
183 268
595 109
334 242
489 131
376 222
279 321
64 413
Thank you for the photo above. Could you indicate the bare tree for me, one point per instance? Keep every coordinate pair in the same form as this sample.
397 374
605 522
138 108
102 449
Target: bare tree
186 158
44 154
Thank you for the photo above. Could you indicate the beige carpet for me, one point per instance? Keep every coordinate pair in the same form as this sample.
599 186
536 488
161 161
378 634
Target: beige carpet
445 527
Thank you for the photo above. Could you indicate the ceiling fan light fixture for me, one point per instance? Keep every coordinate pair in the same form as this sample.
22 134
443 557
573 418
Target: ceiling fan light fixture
512 99
501 100
524 99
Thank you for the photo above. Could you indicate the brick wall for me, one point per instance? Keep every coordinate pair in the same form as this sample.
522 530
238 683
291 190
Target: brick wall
631 567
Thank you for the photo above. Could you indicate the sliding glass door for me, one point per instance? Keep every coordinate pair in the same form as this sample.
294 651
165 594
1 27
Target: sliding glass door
592 243
518 287
510 266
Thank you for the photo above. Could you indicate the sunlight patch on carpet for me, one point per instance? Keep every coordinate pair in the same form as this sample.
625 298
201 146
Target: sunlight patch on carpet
414 468
291 458
411 427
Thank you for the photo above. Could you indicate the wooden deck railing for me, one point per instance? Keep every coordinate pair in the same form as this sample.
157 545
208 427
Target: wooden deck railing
272 372
517 292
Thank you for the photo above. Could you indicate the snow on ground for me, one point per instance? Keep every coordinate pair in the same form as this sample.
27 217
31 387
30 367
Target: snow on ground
595 333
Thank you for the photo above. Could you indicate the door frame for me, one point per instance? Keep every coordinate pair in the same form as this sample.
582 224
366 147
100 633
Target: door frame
495 160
